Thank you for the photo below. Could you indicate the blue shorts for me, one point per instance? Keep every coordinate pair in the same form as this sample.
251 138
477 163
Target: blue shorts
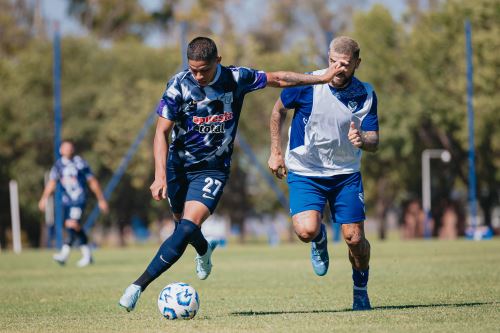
204 186
343 192
73 212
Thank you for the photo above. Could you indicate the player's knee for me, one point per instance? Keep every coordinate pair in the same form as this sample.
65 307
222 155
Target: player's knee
305 233
185 229
354 240
72 224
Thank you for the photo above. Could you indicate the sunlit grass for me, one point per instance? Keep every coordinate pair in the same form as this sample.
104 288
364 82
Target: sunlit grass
414 286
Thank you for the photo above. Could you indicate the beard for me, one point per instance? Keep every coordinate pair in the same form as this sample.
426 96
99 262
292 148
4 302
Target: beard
341 80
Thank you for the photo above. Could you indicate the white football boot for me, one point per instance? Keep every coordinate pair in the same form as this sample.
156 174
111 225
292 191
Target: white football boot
62 255
86 256
130 297
204 262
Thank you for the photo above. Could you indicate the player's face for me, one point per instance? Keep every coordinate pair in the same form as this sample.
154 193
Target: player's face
343 78
67 149
203 71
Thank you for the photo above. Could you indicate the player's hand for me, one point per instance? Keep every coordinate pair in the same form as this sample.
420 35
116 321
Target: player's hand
42 204
159 189
334 68
103 206
354 136
277 166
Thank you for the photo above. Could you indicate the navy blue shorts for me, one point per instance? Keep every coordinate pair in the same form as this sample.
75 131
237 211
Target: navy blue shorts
205 186
73 212
343 192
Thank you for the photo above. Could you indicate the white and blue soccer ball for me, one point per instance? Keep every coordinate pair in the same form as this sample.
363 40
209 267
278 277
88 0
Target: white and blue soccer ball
178 301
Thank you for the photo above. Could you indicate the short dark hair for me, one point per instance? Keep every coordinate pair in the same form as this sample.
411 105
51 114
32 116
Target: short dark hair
345 45
202 49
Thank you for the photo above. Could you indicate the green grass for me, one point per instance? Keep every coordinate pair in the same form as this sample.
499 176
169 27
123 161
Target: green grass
415 286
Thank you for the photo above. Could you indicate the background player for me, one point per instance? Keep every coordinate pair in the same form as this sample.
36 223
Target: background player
323 160
202 106
73 173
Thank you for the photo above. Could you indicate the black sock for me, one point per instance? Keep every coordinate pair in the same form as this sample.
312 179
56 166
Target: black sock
71 235
198 241
322 232
82 237
144 280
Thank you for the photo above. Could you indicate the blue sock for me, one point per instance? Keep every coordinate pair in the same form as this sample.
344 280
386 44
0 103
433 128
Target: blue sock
321 234
170 251
71 235
197 239
360 278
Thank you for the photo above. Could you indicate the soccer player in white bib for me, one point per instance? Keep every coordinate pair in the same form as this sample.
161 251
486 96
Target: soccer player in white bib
331 126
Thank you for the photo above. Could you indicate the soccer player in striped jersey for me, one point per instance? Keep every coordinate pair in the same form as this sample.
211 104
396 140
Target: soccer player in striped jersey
200 109
73 173
331 126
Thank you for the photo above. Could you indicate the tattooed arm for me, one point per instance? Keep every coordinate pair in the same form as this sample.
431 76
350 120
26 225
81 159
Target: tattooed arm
366 140
276 161
290 79
370 141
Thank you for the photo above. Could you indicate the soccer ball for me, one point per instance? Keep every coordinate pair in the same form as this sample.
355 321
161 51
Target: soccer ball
178 300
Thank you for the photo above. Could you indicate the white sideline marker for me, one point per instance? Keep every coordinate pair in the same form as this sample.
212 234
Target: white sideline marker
14 213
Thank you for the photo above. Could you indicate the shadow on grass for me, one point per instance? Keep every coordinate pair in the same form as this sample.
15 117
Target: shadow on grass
386 307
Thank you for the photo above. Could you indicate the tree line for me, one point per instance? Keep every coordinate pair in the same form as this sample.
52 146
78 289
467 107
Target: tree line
112 79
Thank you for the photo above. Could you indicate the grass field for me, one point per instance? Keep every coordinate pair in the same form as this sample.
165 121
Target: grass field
416 286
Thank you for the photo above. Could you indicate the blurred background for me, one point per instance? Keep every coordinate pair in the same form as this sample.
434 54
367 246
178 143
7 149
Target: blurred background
117 56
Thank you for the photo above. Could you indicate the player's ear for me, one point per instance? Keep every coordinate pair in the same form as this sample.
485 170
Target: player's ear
219 58
358 62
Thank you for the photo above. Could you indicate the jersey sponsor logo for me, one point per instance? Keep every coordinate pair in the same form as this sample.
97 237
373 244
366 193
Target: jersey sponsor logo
218 118
212 124
211 128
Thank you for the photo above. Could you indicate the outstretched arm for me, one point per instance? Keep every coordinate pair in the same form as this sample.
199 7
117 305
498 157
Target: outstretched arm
276 161
47 191
284 79
160 150
96 188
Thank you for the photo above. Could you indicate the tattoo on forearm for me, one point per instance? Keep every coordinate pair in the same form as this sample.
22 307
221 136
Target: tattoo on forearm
291 78
277 118
370 141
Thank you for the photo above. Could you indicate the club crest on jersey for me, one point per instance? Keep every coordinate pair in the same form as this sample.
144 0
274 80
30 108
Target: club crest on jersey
227 98
352 105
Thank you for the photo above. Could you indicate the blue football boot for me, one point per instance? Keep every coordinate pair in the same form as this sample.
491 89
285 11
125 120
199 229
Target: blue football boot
319 254
130 297
360 301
